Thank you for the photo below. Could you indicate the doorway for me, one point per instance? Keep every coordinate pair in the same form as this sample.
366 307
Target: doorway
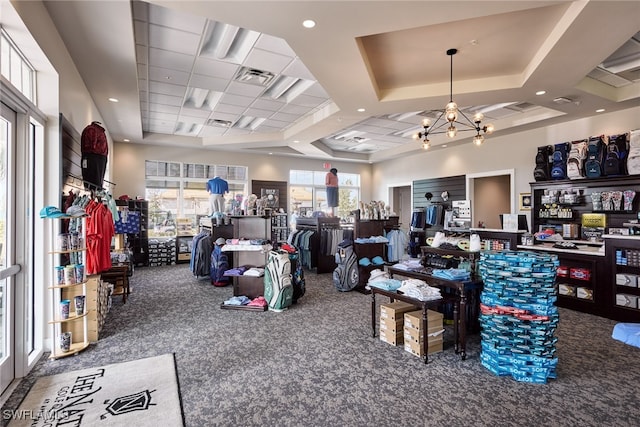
401 205
491 194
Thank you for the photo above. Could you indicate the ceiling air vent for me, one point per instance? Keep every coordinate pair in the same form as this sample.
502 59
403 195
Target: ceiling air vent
219 123
522 106
254 76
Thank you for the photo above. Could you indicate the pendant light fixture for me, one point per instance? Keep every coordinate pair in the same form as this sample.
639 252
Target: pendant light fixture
451 114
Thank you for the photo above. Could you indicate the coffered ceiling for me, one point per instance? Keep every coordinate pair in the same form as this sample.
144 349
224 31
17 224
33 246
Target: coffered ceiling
248 76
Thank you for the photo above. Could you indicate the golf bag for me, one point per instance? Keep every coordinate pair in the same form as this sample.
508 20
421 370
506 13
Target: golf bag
219 264
345 275
593 164
542 171
278 289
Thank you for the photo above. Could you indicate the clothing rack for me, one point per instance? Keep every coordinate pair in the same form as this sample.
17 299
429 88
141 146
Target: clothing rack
81 184
323 263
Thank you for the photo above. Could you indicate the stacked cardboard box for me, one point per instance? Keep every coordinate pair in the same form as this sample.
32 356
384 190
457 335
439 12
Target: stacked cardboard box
413 334
392 320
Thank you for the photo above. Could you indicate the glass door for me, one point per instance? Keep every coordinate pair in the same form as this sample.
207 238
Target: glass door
8 270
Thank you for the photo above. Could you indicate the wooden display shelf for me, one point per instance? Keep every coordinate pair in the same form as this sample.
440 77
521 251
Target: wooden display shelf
70 251
74 349
70 285
71 318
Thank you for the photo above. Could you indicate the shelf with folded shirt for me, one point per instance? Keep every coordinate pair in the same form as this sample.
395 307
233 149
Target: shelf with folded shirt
256 229
370 246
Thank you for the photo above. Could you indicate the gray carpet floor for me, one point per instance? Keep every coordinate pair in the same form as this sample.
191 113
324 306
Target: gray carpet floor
316 364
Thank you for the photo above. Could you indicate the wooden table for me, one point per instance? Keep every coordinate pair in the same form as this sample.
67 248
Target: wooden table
460 293
118 275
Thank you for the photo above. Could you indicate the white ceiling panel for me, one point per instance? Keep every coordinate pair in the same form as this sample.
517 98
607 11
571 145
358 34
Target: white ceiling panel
166 74
171 60
173 40
211 68
164 99
236 88
166 88
211 83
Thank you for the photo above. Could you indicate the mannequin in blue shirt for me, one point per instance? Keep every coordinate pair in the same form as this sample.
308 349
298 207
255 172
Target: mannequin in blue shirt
217 188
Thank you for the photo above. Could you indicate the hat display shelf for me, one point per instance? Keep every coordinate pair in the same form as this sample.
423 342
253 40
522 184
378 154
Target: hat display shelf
68 255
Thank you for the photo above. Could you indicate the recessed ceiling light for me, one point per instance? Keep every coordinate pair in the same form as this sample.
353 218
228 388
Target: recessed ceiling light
361 110
444 145
126 140
541 92
308 23
113 99
295 141
270 154
600 110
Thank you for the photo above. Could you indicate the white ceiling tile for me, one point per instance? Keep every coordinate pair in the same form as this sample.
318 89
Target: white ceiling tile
173 40
170 60
192 119
291 118
212 68
194 112
208 131
229 109
295 109
277 124
142 70
268 104
165 99
174 18
224 116
275 45
160 128
166 75
156 116
297 69
242 101
236 88
141 32
166 89
267 61
237 131
211 83
317 90
256 112
163 108
142 54
308 101
140 10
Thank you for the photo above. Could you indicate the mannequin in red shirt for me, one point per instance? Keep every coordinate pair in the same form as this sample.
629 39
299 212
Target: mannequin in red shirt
331 182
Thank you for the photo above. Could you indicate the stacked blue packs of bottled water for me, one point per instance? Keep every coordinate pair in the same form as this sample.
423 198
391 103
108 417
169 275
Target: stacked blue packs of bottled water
518 314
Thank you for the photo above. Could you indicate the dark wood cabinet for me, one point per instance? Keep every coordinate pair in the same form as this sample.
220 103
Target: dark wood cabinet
623 296
586 278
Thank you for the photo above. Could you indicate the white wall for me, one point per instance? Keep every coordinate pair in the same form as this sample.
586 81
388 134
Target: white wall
515 151
129 159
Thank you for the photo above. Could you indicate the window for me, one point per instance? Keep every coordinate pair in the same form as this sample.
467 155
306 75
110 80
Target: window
179 191
307 192
15 67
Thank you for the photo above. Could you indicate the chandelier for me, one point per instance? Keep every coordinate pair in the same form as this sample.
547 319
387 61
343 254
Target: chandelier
451 115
